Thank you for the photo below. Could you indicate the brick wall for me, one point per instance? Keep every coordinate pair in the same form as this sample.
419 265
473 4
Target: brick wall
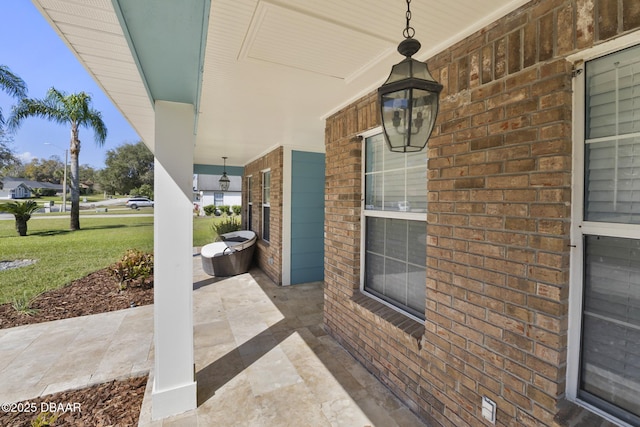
268 254
498 224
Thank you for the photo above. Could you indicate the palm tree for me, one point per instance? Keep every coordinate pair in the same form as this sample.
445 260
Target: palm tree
15 87
11 84
22 212
74 110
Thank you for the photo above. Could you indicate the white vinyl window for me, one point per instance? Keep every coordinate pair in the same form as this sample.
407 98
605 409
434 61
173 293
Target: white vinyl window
605 310
266 205
249 202
394 226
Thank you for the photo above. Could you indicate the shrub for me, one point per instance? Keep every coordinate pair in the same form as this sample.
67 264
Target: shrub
44 192
227 225
209 210
44 419
22 212
225 209
135 265
237 209
145 190
23 304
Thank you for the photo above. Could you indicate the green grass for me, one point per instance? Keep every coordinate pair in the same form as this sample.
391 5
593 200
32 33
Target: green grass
64 256
202 232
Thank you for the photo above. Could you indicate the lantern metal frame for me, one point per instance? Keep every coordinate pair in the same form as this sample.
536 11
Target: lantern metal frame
414 93
224 180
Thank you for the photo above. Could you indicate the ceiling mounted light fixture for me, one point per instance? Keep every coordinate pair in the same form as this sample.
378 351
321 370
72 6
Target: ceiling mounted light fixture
409 98
224 179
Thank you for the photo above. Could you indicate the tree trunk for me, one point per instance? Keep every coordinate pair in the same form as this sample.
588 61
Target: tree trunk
75 179
21 226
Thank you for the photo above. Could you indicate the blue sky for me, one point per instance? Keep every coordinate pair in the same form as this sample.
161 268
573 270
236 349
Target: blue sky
33 50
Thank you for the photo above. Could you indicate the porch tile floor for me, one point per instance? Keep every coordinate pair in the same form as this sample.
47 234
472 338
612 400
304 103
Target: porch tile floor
262 359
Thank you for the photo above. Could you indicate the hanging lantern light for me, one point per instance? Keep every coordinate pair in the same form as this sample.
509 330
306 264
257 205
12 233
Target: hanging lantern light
409 98
224 179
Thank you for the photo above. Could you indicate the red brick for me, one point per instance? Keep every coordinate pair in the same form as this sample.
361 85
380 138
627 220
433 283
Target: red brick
546 33
584 23
514 52
608 19
565 29
630 15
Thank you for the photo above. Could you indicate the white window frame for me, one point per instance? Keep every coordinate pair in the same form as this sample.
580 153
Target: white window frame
409 216
580 227
265 205
249 202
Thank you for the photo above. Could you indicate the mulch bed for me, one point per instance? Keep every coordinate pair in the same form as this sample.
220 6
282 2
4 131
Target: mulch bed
116 403
96 293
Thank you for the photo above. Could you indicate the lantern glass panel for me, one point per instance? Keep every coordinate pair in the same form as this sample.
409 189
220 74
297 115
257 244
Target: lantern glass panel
408 132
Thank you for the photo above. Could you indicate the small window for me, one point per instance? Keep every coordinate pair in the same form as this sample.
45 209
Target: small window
266 205
249 203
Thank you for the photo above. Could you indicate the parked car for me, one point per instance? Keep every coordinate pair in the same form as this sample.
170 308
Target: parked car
139 202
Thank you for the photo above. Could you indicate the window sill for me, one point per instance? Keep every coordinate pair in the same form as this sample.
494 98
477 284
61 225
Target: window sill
570 413
395 319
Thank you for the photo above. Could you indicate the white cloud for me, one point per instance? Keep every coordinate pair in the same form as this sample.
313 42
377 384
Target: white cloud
25 157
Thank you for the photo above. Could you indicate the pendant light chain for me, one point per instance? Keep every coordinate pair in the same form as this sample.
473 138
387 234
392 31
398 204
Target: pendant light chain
408 32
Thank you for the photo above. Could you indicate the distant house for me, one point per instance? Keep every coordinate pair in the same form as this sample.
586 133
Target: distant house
206 191
18 188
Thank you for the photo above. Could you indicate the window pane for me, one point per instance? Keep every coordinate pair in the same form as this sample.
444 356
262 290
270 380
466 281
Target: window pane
266 222
418 158
613 181
417 289
395 280
417 246
417 189
374 271
396 238
610 365
266 188
394 191
375 147
394 181
375 235
613 94
393 160
373 191
392 246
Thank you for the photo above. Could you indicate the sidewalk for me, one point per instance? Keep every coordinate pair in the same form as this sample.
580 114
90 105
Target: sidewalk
66 354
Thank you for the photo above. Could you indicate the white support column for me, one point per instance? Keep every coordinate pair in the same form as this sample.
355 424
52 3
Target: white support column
174 386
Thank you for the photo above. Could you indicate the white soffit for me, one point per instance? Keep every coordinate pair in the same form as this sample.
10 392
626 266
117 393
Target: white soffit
273 69
293 38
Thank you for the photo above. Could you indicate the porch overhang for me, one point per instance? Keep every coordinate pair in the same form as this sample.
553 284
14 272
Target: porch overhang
260 73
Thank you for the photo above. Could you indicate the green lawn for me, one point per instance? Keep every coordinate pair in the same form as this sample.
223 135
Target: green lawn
202 233
64 256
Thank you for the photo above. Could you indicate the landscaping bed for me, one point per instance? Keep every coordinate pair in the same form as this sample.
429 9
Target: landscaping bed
96 293
115 403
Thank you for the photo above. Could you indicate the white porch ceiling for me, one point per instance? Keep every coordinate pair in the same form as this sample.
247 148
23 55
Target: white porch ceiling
273 69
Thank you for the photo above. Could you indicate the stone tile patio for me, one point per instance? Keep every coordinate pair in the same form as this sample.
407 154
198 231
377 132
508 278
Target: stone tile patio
262 359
